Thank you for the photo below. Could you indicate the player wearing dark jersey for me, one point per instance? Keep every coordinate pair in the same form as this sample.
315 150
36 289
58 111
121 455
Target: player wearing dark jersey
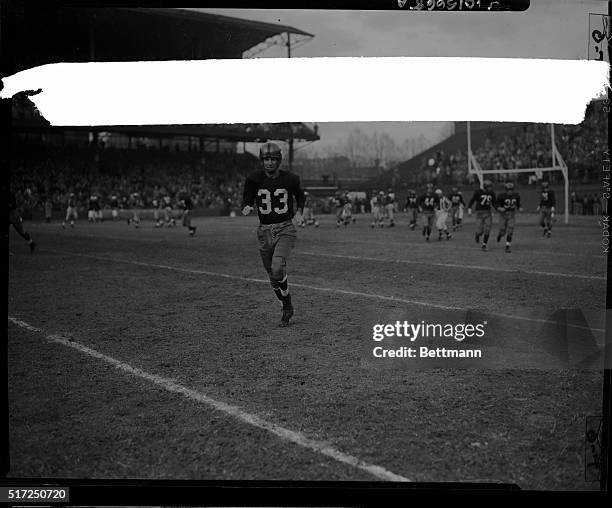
412 208
167 207
278 197
456 209
547 209
427 204
17 222
94 209
485 202
338 202
508 203
187 213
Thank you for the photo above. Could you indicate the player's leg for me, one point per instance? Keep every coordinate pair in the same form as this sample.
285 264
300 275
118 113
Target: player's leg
459 216
17 222
444 218
339 219
543 221
487 220
438 218
286 239
479 226
549 222
503 226
391 216
510 222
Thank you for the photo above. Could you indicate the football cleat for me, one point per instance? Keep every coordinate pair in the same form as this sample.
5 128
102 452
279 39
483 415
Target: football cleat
287 314
484 247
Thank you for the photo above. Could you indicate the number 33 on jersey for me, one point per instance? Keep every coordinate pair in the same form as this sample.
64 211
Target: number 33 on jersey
276 199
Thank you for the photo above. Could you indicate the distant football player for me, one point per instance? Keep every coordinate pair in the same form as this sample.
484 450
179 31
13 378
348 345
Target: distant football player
390 207
412 208
427 203
114 203
309 217
48 210
168 217
484 199
443 205
187 213
136 204
348 209
339 202
456 210
546 209
71 211
508 203
376 210
17 222
279 198
93 209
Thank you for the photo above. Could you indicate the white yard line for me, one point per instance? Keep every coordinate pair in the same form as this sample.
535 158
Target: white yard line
453 265
322 289
286 434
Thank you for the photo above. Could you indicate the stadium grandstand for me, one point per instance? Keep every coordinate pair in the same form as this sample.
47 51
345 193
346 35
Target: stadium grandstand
501 146
209 160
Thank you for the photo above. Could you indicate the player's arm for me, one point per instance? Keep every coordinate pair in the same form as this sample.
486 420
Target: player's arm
553 201
248 196
300 199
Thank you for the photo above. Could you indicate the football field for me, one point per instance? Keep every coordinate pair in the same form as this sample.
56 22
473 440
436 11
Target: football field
143 353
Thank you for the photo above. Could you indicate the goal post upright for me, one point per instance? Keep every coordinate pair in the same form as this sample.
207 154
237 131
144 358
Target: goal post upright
558 164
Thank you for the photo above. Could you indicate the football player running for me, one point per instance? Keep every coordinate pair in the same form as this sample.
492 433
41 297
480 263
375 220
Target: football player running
507 203
443 205
427 205
279 198
485 201
390 207
456 210
412 208
309 218
375 210
546 209
17 222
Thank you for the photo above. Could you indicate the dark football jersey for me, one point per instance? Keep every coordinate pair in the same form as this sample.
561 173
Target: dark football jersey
428 202
114 203
188 203
547 198
484 199
389 199
308 202
338 201
509 201
456 199
72 202
411 202
276 199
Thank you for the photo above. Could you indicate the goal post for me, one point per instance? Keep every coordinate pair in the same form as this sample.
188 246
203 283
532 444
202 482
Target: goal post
557 164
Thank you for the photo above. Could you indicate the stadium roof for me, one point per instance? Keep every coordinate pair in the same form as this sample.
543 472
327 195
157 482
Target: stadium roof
254 132
38 35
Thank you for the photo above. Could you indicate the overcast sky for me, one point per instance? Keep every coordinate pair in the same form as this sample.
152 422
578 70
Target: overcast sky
557 29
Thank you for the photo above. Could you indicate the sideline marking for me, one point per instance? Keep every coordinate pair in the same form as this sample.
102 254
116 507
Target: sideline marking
452 265
286 434
327 290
